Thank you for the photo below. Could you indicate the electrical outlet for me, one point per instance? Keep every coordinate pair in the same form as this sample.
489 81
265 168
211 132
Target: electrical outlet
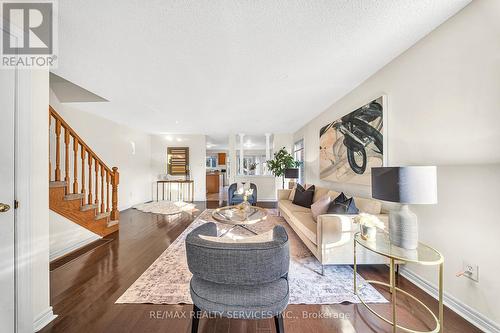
471 271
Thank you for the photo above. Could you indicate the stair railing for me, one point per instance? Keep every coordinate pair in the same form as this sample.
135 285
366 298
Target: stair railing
80 161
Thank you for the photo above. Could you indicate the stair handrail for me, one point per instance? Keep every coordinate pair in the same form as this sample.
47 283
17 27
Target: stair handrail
113 172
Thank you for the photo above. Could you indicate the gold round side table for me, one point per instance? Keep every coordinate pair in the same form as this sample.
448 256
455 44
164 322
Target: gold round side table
423 255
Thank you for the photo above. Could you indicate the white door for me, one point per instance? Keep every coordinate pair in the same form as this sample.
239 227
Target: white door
7 287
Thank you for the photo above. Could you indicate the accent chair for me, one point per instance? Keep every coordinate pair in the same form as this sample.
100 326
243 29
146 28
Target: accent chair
238 279
234 198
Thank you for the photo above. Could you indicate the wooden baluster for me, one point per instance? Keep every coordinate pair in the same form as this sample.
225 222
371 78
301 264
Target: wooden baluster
108 180
58 151
102 188
83 174
96 183
75 165
90 177
66 159
50 164
115 180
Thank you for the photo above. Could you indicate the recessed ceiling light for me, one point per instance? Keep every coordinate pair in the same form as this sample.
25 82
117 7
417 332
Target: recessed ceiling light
177 122
168 138
179 139
248 144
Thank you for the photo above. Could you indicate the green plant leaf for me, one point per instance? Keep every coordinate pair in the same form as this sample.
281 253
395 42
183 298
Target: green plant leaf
282 160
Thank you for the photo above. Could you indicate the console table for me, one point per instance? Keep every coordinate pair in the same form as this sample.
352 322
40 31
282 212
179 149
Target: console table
423 255
185 188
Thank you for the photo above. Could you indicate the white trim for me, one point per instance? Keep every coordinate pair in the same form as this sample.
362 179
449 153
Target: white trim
24 313
267 200
474 317
73 247
43 319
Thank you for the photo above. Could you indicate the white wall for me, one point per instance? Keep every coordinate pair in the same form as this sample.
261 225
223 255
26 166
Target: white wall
67 236
443 109
112 142
197 155
266 186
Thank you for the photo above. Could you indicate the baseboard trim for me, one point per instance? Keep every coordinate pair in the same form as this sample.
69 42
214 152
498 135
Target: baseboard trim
73 247
44 319
474 317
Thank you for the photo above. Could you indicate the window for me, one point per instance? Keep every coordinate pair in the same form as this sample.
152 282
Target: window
178 160
253 163
211 162
298 154
255 148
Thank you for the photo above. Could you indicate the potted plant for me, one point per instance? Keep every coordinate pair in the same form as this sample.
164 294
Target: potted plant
282 160
252 168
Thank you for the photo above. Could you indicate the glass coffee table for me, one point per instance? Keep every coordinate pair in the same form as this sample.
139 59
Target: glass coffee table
239 217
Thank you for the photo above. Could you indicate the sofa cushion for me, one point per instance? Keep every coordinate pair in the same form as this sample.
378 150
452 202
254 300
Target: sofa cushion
290 207
240 301
320 206
303 197
306 224
319 192
369 206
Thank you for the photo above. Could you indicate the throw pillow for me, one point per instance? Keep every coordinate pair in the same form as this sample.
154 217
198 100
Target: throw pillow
292 192
303 197
342 205
320 207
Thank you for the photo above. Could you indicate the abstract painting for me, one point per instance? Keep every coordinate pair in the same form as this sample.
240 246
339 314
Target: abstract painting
352 145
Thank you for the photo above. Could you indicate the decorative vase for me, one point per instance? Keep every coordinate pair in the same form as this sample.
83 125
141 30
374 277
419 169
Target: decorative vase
368 233
403 228
245 205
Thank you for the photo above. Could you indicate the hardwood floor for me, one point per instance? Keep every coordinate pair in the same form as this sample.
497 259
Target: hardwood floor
84 289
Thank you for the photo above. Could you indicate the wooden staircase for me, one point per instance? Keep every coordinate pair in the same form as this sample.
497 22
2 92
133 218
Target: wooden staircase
86 203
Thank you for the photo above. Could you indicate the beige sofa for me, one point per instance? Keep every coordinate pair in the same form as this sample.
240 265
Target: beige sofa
330 238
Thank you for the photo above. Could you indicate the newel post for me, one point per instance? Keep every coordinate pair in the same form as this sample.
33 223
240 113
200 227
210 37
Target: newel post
115 180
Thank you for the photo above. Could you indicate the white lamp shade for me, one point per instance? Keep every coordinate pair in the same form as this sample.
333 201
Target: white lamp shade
407 185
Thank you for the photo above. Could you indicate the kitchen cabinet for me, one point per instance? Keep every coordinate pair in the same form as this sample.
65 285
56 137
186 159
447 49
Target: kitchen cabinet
221 158
213 182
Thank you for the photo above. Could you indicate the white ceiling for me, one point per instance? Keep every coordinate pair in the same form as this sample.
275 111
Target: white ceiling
218 66
250 142
68 92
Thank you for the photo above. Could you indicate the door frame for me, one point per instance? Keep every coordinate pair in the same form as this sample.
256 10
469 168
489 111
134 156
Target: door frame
24 318
23 218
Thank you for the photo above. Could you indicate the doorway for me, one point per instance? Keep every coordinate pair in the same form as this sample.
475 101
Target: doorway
217 168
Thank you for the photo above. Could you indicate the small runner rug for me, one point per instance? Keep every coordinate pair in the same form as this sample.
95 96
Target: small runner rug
166 281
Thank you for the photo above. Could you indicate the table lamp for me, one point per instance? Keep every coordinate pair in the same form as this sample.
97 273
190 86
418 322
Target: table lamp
408 185
291 173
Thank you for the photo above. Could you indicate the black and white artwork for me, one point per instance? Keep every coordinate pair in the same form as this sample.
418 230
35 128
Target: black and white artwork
352 145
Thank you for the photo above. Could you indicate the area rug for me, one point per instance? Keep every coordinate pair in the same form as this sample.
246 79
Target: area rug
166 281
166 207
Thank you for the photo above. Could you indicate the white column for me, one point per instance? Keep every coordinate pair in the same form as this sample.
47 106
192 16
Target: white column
232 159
268 152
241 152
268 146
